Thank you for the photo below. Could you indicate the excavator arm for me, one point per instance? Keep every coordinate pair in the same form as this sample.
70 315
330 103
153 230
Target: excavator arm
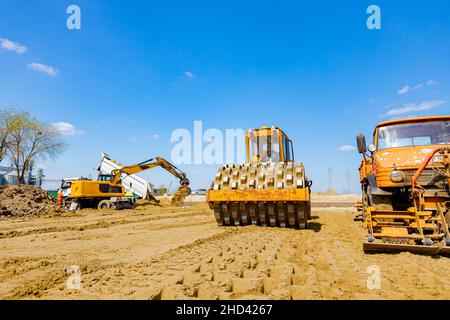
183 190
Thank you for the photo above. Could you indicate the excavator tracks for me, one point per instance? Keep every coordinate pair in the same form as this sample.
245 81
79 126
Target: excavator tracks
264 194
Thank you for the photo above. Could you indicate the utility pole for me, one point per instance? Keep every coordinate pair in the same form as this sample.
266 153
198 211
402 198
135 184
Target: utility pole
349 186
330 179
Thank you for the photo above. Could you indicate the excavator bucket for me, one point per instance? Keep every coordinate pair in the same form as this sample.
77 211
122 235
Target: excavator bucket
264 194
180 195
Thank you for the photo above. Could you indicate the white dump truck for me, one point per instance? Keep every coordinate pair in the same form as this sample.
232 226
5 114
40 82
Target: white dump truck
133 184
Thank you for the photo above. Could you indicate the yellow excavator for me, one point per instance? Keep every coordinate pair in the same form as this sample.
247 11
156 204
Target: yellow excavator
269 190
110 193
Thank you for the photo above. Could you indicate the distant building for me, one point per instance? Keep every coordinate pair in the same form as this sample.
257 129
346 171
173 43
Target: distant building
8 175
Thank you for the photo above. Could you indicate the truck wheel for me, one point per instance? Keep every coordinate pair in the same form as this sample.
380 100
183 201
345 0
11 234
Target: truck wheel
104 204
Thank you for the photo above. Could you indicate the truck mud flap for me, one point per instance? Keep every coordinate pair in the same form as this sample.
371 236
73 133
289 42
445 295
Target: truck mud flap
393 247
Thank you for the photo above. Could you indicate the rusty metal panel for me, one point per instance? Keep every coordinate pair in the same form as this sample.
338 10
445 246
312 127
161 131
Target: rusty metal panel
389 247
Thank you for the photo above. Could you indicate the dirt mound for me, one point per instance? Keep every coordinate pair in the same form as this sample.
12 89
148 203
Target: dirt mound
18 201
142 204
329 192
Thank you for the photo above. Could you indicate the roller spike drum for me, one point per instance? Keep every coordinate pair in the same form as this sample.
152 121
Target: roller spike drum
270 190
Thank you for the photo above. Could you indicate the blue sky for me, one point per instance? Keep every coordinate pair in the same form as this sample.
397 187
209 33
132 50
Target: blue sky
138 70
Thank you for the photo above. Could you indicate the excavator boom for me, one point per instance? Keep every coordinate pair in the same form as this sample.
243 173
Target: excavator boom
149 164
182 191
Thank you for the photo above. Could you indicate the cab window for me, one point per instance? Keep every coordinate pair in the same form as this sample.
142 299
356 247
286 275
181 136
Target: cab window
414 134
265 147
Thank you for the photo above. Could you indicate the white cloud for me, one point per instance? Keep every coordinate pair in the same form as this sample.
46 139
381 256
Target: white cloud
134 139
404 90
412 107
67 129
51 71
156 136
12 46
408 88
346 148
189 74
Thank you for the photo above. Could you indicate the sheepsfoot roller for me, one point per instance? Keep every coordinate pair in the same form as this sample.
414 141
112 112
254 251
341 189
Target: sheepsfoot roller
271 190
405 186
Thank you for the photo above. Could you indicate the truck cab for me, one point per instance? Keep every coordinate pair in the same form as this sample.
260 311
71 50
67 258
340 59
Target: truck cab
398 149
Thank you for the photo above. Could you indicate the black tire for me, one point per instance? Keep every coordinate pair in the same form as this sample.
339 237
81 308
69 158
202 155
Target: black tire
104 204
308 211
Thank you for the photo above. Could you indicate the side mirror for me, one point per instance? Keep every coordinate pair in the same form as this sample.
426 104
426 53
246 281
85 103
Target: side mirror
361 142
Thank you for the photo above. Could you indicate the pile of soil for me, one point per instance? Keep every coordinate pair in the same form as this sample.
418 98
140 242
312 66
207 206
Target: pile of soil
22 200
329 192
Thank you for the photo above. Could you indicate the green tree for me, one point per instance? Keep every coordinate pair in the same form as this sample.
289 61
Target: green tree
29 139
161 190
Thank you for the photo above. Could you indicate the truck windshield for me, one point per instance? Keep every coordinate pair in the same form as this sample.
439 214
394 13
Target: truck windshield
414 134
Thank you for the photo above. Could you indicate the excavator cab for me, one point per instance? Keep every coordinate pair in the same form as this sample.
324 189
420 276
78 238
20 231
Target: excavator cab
105 177
266 145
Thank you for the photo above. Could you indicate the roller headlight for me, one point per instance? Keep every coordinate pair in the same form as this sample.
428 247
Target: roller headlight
397 176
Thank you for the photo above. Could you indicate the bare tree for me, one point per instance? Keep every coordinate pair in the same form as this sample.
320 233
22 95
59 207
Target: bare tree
30 139
5 131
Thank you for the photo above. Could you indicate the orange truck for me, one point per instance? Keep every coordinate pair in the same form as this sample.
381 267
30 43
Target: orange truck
404 176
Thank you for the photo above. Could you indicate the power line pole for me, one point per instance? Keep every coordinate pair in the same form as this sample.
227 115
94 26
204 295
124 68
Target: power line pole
330 179
349 186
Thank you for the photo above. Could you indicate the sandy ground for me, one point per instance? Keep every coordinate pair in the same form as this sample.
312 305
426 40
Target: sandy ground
180 253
